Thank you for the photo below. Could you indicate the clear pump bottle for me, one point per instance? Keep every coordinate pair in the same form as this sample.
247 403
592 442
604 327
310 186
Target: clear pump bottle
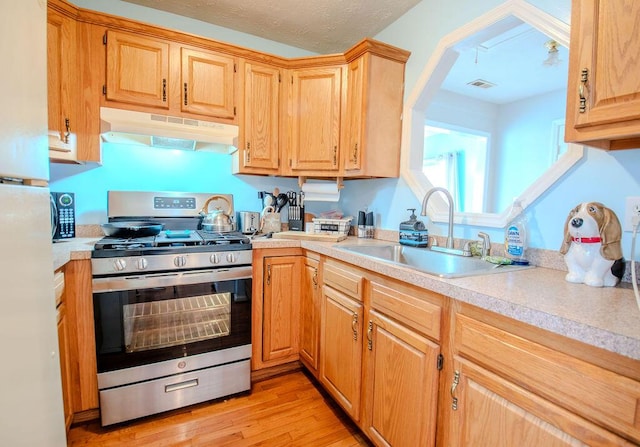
515 235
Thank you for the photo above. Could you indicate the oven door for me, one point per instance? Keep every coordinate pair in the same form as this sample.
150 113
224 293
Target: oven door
147 319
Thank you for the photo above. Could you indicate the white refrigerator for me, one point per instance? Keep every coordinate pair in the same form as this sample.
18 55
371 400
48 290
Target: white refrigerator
31 412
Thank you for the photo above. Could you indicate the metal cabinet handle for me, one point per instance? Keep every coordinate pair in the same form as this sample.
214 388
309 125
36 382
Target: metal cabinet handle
335 155
584 79
67 131
269 275
355 154
354 326
186 90
454 385
248 153
370 335
314 279
164 90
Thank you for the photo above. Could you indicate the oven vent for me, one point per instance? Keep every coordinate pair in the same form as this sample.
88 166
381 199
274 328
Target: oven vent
481 83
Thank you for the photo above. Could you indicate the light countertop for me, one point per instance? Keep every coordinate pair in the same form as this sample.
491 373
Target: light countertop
606 317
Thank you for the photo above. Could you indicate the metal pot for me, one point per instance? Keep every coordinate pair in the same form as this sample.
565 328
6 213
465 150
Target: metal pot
128 229
216 221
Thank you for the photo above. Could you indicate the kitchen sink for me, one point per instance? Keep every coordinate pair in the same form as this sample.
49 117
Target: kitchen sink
440 264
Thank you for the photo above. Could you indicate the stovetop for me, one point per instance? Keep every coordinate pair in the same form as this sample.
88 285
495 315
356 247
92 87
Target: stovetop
171 241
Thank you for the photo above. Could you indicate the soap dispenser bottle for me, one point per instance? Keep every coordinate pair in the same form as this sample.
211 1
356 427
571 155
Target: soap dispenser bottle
413 232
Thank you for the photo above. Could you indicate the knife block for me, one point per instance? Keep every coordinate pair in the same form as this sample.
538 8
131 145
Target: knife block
296 218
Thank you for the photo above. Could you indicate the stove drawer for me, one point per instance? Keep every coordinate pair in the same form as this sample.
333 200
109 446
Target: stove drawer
168 393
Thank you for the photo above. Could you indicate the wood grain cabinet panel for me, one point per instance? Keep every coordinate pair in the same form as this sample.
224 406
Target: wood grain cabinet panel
310 304
259 148
281 308
603 99
488 410
374 116
501 381
341 349
137 70
62 87
401 385
316 114
207 83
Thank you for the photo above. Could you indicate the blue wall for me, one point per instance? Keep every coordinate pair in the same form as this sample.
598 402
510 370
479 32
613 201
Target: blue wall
602 176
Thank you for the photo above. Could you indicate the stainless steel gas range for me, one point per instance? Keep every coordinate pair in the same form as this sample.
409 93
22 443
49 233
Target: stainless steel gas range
172 310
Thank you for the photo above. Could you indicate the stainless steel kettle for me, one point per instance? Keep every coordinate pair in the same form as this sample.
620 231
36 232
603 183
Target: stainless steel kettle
217 220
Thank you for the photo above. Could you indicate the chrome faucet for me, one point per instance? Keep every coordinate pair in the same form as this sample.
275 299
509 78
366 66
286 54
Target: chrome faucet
486 244
450 200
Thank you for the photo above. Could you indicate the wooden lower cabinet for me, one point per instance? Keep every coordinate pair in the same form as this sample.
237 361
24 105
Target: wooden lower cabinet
310 300
281 307
341 355
505 389
488 410
401 386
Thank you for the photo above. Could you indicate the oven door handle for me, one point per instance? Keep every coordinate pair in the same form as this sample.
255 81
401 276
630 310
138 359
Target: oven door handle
118 283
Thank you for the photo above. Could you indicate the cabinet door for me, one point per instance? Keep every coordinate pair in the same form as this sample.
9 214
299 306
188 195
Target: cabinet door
258 152
341 349
281 311
315 130
310 296
399 363
65 367
603 99
137 69
207 83
487 410
62 86
374 111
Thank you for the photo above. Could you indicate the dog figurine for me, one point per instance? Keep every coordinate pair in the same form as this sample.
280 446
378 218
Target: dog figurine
591 246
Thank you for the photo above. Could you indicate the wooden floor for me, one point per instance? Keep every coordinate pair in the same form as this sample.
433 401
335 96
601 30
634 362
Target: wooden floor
287 410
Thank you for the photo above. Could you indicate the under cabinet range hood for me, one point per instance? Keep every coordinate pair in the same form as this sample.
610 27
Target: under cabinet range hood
166 132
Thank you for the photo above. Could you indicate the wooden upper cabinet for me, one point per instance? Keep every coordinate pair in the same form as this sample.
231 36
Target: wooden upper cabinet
137 70
316 105
258 149
207 83
62 86
374 116
603 103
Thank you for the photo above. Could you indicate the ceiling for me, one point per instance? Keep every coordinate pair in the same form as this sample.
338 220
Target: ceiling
320 26
510 56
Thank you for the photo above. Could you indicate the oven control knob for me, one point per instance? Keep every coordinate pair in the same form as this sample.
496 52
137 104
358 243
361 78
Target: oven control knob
119 264
142 264
180 261
231 258
214 258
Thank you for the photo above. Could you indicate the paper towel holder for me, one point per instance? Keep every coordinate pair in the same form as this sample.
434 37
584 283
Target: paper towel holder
303 179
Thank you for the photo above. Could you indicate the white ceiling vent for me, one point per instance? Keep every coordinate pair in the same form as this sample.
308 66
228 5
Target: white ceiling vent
481 83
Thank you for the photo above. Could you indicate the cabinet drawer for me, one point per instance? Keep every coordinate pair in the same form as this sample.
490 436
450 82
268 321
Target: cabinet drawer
594 393
410 310
343 278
